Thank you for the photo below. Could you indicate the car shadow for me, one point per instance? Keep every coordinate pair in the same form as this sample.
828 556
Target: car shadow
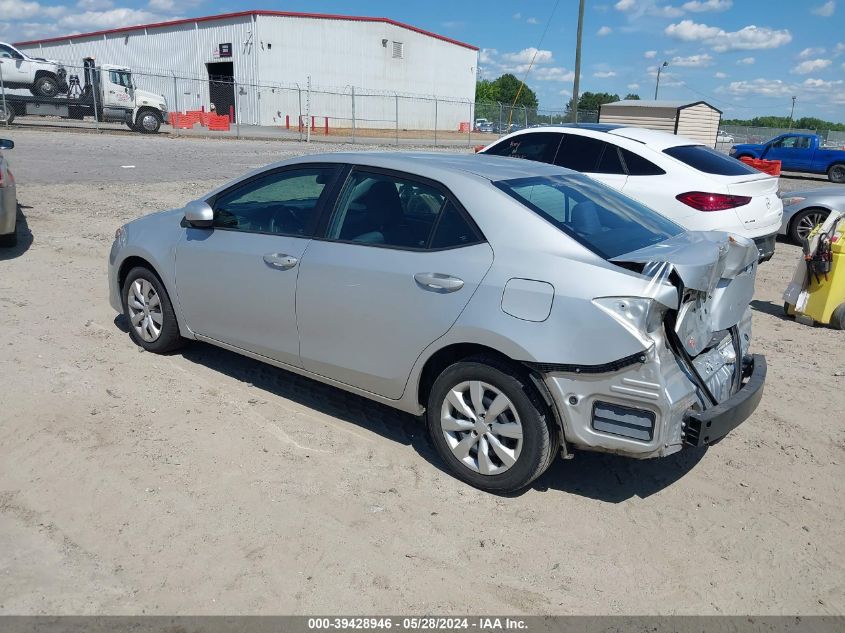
613 478
25 238
599 476
771 308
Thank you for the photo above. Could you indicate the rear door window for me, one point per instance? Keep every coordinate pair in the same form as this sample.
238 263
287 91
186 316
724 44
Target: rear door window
636 165
709 160
580 153
541 146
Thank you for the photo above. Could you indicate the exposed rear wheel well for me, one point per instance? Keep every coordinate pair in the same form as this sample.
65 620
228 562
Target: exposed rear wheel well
441 359
45 73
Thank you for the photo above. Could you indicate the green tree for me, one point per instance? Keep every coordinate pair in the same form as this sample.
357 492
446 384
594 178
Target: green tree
508 86
632 96
486 91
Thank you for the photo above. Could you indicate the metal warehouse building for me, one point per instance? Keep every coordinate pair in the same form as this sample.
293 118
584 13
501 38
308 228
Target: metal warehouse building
697 120
258 63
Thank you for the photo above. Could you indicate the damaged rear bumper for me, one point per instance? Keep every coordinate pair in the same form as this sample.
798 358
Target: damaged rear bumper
705 427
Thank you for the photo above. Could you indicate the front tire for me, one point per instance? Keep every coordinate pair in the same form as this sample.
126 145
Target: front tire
837 319
45 86
147 307
148 122
804 222
7 113
836 174
490 426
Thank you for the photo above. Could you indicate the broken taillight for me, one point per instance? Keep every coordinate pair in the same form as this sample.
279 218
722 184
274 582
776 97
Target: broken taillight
702 201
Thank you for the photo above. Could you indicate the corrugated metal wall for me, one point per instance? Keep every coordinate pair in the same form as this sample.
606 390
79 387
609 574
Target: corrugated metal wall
636 116
273 57
700 123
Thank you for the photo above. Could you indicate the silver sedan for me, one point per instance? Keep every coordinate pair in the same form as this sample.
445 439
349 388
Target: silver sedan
8 199
526 310
803 210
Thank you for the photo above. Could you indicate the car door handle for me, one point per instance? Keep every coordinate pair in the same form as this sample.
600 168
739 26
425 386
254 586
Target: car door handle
280 261
438 282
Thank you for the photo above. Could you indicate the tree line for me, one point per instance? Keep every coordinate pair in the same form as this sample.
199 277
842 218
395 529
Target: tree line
804 123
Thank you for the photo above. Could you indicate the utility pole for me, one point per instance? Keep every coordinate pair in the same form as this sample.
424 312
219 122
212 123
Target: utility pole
792 112
657 85
576 85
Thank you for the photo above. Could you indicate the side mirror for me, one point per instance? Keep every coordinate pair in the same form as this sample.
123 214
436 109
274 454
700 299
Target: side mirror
6 144
199 214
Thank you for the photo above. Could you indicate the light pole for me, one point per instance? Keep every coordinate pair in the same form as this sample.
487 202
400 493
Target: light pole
657 85
576 86
791 112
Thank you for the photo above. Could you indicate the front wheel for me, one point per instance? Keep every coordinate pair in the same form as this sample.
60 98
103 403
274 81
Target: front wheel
45 86
7 113
837 319
836 174
152 321
148 122
804 222
490 426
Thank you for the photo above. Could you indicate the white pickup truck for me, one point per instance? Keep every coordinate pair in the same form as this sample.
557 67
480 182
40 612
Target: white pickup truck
43 77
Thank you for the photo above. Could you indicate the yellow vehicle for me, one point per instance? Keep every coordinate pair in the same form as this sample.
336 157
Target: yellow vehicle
822 293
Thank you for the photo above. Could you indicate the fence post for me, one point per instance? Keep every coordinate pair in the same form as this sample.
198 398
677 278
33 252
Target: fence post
525 114
469 129
435 121
237 111
299 116
353 115
97 80
499 131
175 104
397 119
3 92
308 110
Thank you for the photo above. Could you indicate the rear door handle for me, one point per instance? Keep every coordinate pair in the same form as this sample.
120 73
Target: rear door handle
280 261
438 282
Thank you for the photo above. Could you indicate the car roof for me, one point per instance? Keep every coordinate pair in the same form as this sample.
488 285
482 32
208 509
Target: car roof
654 139
439 165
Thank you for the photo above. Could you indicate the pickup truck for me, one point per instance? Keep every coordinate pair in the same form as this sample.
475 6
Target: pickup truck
42 77
798 152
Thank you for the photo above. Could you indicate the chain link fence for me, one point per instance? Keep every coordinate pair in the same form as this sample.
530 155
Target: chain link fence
750 134
96 96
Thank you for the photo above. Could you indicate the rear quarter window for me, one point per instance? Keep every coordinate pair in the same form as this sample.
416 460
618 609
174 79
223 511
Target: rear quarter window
709 160
541 147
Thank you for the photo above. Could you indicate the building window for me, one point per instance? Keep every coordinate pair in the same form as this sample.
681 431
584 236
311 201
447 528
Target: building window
398 50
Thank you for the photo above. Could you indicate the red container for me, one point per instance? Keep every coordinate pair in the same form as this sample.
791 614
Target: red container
771 167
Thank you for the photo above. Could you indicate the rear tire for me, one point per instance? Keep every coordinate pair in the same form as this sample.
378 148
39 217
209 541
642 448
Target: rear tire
45 86
502 454
837 319
146 305
836 173
804 222
7 113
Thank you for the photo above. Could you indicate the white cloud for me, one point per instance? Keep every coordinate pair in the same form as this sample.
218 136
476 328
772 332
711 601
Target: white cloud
168 6
533 21
604 74
17 10
693 61
109 19
762 87
650 54
527 54
700 6
517 16
825 10
605 30
746 61
633 86
94 5
748 38
552 73
811 65
810 52
486 55
720 75
840 48
625 5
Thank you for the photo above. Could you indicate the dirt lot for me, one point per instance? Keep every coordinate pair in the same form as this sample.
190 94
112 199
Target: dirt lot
203 482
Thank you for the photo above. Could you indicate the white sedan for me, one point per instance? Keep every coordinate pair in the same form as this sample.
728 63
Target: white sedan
690 183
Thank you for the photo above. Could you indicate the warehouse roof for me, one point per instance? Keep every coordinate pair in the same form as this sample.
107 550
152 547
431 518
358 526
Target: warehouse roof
224 16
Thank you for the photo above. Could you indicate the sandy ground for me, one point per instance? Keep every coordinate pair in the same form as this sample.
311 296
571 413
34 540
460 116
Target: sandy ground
206 483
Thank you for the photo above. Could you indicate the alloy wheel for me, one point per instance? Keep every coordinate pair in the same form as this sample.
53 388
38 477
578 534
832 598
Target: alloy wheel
481 427
144 306
808 222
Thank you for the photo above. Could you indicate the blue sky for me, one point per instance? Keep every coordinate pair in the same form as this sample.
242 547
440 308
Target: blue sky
747 57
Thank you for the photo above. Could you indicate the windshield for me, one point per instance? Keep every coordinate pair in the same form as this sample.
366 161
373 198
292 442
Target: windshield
598 217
